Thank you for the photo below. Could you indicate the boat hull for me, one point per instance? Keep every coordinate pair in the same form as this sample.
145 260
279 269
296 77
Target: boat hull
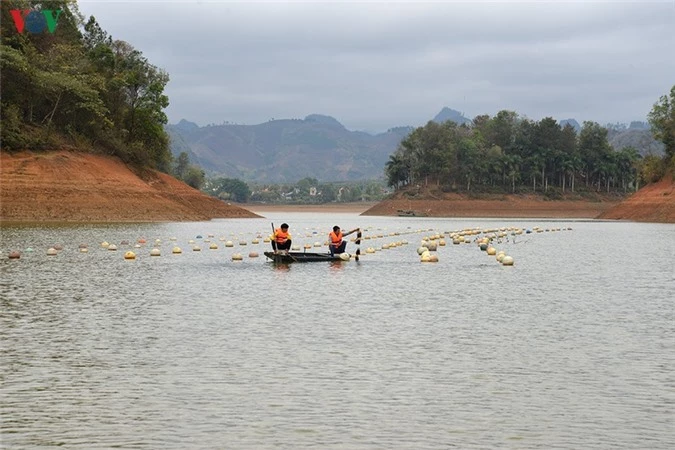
291 257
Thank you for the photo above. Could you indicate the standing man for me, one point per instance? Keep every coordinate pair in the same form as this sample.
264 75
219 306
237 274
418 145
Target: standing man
335 242
281 241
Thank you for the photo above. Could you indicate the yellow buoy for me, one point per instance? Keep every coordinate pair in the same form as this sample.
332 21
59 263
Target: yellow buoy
491 251
176 250
130 255
237 257
196 248
84 250
213 246
104 244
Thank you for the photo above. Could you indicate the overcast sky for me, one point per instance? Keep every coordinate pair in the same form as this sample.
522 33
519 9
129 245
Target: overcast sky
378 65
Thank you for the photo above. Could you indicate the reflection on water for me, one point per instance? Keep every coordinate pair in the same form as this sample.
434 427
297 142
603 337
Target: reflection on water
573 347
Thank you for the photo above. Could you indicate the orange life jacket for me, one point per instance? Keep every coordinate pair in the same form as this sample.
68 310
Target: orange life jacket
280 236
335 239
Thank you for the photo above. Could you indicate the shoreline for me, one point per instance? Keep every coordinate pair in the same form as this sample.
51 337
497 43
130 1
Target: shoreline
355 207
535 209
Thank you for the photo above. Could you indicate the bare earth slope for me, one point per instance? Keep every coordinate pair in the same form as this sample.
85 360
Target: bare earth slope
80 187
455 205
653 203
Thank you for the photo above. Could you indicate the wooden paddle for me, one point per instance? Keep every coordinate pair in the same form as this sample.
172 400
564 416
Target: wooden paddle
274 239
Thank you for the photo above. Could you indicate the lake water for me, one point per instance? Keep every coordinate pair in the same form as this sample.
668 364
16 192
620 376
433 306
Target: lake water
572 347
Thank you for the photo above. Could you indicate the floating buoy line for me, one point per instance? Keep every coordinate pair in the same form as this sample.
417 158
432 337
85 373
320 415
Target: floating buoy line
491 241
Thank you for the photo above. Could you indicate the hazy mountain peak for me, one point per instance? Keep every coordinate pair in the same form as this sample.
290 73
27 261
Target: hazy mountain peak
451 114
572 122
186 126
325 120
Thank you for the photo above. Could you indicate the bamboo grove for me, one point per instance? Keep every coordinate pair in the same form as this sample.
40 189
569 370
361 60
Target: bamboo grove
508 153
76 86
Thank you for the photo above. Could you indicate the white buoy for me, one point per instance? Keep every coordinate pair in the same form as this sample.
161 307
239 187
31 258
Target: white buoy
421 250
253 255
196 248
229 244
84 250
345 256
154 252
507 261
112 247
51 251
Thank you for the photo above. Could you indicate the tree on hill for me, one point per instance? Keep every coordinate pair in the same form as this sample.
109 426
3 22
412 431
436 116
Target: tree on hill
662 120
507 153
75 85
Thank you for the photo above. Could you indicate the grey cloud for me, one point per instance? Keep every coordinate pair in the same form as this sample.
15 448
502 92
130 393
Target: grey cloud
378 65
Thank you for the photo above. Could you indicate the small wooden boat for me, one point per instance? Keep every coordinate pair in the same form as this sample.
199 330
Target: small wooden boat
290 257
410 213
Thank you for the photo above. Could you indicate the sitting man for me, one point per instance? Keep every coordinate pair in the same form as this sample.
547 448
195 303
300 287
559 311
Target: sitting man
335 242
281 240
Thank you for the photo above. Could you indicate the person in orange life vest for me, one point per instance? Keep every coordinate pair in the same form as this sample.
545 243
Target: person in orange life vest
335 242
282 238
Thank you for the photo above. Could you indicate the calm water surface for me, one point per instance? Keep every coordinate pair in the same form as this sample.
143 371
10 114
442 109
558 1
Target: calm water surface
573 347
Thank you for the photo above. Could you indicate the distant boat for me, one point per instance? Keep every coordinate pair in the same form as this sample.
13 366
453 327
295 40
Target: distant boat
410 213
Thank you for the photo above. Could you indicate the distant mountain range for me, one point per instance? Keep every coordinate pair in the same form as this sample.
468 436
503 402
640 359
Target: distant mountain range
320 147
